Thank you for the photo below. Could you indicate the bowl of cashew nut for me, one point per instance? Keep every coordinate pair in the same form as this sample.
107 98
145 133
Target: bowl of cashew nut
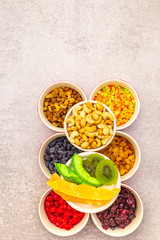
90 125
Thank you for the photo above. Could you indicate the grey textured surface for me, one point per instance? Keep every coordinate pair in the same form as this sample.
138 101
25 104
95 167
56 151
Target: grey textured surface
85 42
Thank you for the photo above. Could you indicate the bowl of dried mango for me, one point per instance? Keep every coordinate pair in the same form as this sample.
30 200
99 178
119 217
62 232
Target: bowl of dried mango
125 153
90 182
56 100
90 125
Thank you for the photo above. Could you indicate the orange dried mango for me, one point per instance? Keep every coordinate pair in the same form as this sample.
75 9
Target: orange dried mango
81 193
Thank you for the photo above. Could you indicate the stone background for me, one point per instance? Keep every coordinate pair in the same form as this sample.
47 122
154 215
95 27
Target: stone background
84 42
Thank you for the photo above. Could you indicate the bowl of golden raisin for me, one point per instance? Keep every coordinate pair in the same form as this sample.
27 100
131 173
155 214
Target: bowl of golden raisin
56 100
125 153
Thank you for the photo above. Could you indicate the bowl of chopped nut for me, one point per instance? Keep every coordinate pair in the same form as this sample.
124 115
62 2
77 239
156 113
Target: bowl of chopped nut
56 100
90 125
125 153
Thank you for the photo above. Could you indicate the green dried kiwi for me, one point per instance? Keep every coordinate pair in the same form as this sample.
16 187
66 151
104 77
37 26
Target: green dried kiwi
107 172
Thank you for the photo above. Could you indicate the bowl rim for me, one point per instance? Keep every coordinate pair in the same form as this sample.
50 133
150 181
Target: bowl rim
92 149
58 134
142 209
67 232
134 90
40 96
138 148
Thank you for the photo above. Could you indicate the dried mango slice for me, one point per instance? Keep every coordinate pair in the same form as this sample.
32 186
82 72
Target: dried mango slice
81 193
79 200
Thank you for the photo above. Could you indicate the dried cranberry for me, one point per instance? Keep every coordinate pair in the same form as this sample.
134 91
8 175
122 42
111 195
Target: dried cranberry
121 212
60 213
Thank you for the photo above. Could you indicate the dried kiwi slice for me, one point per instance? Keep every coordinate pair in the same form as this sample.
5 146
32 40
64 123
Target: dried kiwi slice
107 172
94 159
89 168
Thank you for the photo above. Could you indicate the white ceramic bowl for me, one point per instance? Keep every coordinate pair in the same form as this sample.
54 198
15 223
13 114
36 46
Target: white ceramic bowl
95 149
87 208
47 90
51 227
137 155
41 153
123 84
119 232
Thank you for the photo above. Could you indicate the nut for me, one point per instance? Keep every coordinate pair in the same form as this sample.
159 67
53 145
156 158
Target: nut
83 122
99 106
88 125
73 135
91 129
84 144
76 109
86 109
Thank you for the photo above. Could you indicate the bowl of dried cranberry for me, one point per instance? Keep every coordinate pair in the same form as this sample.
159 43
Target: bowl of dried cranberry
58 217
55 149
123 217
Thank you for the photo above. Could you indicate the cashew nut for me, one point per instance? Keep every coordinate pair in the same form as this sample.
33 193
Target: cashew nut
83 122
89 105
73 135
84 137
89 119
100 131
94 145
78 124
76 109
101 125
91 129
77 142
107 115
82 130
91 134
74 128
77 118
105 130
111 132
82 114
104 142
84 144
99 106
86 109
98 121
98 142
91 140
70 121
109 122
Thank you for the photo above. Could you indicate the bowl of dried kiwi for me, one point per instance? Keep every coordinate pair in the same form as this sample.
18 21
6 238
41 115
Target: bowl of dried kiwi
56 100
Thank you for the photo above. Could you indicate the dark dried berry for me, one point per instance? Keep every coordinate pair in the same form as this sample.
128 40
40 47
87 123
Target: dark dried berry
121 213
60 150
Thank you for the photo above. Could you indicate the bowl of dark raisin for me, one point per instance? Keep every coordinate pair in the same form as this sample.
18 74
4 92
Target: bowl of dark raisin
55 149
123 216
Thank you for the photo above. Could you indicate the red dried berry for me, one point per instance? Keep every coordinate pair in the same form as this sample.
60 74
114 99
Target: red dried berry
68 226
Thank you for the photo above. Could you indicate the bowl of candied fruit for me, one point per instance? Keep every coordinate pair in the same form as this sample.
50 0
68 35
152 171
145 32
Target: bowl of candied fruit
121 98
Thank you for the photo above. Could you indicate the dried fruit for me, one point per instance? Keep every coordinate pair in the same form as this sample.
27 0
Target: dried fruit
60 213
81 193
121 213
121 152
58 102
119 99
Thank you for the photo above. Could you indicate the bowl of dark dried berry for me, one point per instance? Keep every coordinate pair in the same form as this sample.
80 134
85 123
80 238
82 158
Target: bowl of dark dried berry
123 216
58 217
55 149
